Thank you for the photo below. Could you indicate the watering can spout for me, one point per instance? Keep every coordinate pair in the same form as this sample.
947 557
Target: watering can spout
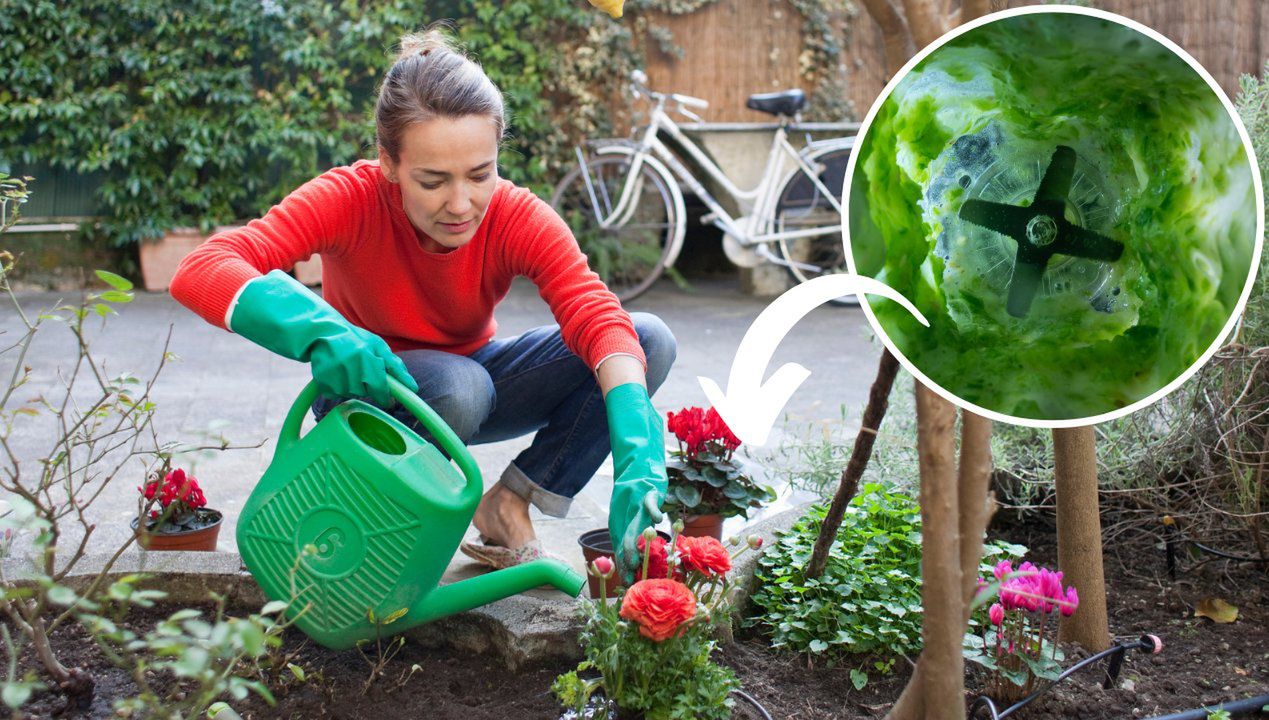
483 589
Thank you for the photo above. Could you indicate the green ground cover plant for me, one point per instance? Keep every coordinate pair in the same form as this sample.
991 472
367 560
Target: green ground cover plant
866 607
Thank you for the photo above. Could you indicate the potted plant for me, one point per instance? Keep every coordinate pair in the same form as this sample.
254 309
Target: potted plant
648 652
176 514
707 484
597 544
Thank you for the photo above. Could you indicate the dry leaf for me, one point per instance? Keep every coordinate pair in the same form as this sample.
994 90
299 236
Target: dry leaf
1216 609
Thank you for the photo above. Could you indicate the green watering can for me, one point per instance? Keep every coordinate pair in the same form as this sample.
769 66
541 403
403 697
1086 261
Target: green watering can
358 520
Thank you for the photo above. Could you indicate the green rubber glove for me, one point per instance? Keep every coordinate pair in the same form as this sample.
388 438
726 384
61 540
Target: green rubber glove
276 312
637 433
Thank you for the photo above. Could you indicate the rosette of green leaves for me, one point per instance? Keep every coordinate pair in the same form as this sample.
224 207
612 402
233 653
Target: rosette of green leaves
711 484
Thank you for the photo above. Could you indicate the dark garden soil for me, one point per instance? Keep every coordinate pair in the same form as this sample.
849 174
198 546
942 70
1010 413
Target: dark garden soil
1202 663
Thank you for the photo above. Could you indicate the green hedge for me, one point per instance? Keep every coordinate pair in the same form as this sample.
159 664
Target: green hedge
210 111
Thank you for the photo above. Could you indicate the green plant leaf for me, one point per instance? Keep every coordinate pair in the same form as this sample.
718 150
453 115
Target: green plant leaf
15 694
274 607
116 296
115 281
688 495
858 678
194 660
61 595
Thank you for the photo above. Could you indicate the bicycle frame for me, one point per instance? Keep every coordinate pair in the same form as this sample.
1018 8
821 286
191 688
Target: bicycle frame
753 228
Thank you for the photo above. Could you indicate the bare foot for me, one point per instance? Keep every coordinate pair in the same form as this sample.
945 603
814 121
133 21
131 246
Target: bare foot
503 518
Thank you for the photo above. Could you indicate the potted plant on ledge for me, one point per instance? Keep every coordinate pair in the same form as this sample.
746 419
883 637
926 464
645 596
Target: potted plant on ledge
707 484
176 514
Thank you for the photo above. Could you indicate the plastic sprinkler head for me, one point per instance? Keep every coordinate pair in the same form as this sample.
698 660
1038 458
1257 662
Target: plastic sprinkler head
1041 230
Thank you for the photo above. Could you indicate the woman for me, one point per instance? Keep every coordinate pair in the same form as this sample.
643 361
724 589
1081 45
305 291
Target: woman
417 248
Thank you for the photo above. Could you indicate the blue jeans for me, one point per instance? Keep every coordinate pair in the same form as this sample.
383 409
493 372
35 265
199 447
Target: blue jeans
529 383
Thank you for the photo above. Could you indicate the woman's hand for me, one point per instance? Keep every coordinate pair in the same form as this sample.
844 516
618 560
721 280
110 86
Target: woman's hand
637 434
278 313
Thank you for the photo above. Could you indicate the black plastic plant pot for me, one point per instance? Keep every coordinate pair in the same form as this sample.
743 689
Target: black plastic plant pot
596 544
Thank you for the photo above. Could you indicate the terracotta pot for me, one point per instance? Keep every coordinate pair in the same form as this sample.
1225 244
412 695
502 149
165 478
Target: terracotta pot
160 258
202 539
596 544
703 526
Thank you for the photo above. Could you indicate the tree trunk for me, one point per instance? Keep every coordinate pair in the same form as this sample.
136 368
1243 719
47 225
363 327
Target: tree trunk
926 20
942 626
972 9
874 412
1079 536
976 510
976 504
895 37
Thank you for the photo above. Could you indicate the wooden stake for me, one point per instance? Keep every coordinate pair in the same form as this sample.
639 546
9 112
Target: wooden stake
874 412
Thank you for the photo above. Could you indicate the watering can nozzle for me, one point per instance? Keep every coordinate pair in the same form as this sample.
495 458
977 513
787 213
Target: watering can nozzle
483 589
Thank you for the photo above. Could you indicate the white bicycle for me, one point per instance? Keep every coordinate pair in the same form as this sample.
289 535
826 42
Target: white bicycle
625 203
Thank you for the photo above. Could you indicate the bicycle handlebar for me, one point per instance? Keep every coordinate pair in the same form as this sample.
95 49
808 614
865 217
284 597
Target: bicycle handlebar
639 87
690 101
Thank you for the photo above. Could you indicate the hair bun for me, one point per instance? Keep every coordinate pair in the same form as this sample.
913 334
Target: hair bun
422 44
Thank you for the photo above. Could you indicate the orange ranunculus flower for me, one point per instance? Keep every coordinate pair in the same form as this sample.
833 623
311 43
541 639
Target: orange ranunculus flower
659 607
704 555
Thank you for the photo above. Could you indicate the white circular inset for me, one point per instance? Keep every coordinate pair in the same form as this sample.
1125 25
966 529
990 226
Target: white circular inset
1101 313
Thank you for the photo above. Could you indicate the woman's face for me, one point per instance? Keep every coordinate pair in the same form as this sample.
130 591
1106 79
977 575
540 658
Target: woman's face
447 170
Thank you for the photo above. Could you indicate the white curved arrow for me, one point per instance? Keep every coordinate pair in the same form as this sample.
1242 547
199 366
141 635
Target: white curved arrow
750 407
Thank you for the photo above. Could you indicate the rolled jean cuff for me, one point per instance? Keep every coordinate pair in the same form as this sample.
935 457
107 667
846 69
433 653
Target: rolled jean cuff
514 479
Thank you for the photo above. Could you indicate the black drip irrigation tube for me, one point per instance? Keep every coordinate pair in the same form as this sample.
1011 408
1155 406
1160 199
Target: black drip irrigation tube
1233 707
753 703
1115 653
1177 540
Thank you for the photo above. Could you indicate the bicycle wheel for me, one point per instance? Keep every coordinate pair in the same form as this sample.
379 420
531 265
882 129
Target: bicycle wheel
803 206
632 252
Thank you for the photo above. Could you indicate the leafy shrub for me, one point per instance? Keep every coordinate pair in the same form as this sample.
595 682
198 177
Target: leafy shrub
868 600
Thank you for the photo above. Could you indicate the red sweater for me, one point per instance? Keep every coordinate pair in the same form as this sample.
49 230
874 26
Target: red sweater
376 274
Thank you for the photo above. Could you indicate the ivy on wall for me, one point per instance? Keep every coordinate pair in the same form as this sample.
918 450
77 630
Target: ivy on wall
205 112
208 112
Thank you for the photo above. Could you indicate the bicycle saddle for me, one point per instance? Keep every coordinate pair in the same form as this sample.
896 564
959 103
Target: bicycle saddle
785 102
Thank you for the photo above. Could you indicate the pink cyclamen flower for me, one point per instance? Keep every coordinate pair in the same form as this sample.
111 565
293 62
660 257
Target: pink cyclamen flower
996 614
1072 601
1050 586
1003 568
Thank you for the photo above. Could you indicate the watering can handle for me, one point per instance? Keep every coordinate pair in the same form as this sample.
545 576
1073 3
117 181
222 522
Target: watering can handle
444 436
